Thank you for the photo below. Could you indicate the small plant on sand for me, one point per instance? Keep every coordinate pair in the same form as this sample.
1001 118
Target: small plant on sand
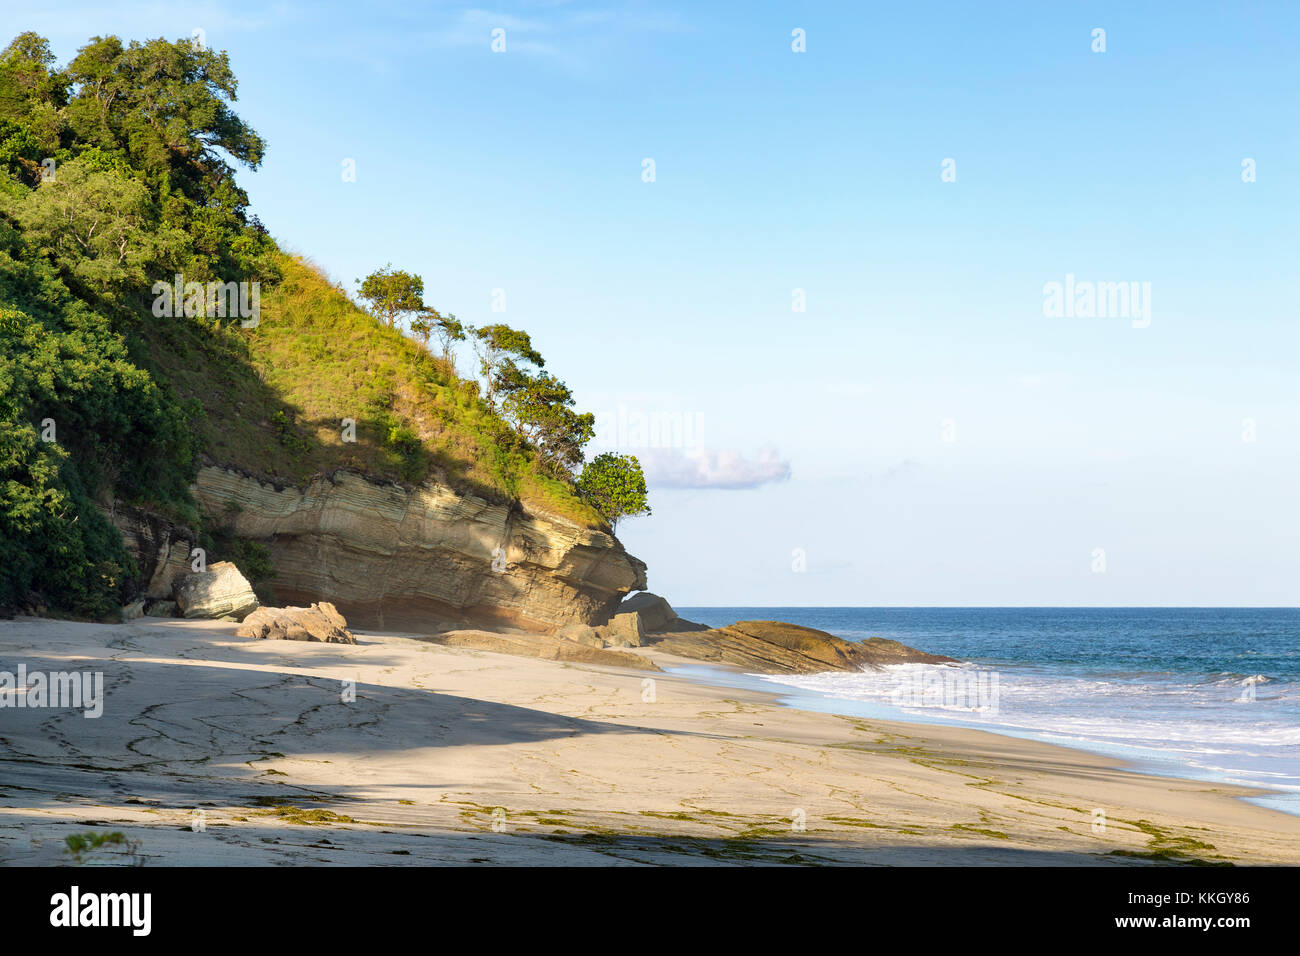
82 846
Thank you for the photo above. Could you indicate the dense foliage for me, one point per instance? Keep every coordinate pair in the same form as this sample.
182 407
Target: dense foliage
615 486
109 174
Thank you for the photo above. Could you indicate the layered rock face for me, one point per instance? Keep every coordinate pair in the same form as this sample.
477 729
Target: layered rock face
423 558
544 647
160 548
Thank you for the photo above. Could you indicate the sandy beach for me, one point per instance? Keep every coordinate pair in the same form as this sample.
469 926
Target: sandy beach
213 749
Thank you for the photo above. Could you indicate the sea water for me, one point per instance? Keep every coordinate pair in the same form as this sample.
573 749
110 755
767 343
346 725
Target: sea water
1205 693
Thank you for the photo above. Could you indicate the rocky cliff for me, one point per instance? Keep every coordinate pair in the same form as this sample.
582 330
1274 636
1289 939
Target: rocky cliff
775 647
160 548
425 557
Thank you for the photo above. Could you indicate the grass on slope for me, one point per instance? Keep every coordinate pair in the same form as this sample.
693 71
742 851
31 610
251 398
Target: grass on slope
276 396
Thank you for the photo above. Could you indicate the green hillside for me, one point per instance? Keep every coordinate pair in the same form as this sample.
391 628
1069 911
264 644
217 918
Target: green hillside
116 177
276 396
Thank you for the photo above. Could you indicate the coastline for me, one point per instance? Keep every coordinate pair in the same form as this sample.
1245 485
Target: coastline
456 755
1168 705
1133 759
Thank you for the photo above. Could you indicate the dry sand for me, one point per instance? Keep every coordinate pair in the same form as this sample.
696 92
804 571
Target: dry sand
218 750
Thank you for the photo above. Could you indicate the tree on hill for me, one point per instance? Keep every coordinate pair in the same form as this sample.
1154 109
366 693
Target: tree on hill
497 345
98 225
392 294
448 328
157 113
614 486
540 407
166 107
421 328
32 97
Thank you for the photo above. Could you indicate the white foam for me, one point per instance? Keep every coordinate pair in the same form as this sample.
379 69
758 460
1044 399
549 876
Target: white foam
1155 711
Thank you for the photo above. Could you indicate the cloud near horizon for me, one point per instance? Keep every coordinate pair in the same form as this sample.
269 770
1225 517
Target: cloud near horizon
709 468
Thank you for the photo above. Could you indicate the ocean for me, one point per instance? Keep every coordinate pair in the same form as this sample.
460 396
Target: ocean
1204 693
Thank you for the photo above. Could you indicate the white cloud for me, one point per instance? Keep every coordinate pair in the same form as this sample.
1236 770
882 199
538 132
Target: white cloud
708 468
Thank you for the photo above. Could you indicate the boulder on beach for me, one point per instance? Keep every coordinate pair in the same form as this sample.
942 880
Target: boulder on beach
581 633
775 647
656 613
623 630
133 610
220 591
321 623
161 609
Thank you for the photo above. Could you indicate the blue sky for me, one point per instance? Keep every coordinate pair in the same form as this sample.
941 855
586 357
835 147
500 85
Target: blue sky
922 434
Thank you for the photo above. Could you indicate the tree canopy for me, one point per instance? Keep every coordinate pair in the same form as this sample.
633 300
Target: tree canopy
498 347
540 407
99 226
614 485
167 107
113 172
392 293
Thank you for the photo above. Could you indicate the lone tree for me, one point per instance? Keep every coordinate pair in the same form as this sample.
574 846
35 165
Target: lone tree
614 486
393 293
